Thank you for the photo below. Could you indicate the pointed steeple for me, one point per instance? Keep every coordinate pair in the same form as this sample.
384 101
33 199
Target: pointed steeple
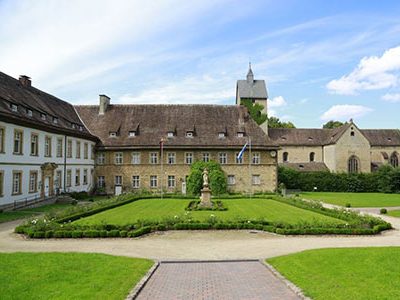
250 75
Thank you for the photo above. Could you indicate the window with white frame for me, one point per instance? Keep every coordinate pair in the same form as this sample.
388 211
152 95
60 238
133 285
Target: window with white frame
135 181
189 158
206 156
78 149
59 149
77 177
85 176
153 158
18 141
239 160
14 107
135 158
255 179
69 178
221 135
43 117
34 144
118 158
33 175
118 180
256 158
101 158
240 134
132 133
170 134
69 149
101 181
189 134
171 158
16 183
29 113
231 179
85 150
153 181
223 158
47 146
58 179
171 181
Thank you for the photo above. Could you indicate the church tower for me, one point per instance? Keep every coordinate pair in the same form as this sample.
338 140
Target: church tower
255 90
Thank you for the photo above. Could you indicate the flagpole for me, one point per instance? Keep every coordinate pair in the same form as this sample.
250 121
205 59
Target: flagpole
250 177
162 169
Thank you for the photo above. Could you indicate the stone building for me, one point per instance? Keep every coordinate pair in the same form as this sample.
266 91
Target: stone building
44 146
129 153
344 149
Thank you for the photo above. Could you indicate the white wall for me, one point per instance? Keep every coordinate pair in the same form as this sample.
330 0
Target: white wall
27 163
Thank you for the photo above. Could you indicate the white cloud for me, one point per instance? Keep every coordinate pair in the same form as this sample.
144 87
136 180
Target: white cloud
394 98
192 90
372 73
278 101
345 112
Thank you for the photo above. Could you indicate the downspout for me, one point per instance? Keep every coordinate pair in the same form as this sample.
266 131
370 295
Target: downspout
65 163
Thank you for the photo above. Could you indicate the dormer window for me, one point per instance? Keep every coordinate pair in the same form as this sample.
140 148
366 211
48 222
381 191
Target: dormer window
29 112
283 138
189 134
389 139
170 134
221 135
310 138
73 126
240 134
132 133
55 120
113 134
80 128
43 117
14 107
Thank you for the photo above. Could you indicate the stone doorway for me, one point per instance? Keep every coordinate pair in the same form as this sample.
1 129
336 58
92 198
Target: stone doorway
47 188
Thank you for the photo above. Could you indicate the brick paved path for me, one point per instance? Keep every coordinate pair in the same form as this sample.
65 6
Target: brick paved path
215 280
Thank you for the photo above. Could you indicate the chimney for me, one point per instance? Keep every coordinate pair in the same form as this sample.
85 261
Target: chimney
104 103
25 80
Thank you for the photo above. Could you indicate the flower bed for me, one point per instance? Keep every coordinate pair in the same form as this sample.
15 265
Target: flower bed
216 205
61 226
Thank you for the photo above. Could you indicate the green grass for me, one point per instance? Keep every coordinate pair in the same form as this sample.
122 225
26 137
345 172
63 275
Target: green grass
356 199
20 214
353 273
394 213
69 275
251 209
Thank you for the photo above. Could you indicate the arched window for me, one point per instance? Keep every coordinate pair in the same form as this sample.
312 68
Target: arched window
285 156
394 160
312 156
353 164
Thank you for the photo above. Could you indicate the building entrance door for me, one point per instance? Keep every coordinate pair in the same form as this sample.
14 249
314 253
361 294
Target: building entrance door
47 186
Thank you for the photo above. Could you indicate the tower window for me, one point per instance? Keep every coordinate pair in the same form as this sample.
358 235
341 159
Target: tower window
352 133
312 156
285 156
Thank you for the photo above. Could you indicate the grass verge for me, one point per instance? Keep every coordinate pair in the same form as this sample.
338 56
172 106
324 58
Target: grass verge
355 199
350 273
29 212
69 275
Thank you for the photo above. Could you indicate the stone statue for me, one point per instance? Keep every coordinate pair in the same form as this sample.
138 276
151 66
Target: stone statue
205 178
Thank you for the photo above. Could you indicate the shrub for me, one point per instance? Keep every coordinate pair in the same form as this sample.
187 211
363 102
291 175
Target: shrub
348 205
91 233
76 234
49 234
123 233
383 211
218 183
58 234
386 179
140 231
39 234
113 233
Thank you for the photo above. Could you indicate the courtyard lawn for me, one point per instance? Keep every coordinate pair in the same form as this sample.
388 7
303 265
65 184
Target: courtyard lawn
250 209
69 275
355 199
394 213
29 212
352 273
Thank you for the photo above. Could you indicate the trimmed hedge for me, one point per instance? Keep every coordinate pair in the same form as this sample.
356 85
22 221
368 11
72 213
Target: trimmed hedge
386 180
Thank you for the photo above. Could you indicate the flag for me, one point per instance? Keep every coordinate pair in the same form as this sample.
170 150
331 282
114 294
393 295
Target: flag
242 151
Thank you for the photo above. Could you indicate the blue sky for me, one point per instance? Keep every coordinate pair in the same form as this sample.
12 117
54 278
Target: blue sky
321 60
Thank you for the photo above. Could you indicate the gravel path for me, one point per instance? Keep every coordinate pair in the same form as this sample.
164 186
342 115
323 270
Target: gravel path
192 245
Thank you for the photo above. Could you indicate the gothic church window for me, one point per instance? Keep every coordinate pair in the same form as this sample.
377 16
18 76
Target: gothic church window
353 164
394 160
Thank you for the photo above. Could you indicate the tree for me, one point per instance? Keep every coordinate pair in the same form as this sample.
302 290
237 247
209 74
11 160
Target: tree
274 122
255 111
332 124
218 183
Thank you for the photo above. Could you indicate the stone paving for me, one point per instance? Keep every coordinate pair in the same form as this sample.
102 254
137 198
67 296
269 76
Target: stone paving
215 280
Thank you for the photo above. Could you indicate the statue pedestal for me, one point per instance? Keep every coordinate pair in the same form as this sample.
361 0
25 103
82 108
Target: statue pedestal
205 199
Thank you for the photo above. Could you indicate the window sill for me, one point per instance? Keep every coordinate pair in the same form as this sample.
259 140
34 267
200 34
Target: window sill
35 155
16 153
16 194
